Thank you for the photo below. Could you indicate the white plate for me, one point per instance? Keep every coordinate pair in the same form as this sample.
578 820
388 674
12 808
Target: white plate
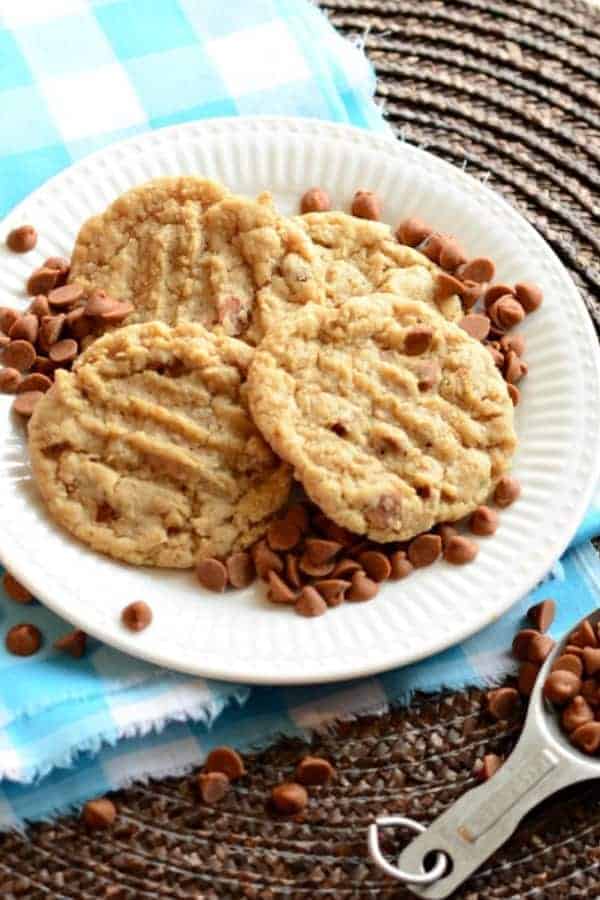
239 636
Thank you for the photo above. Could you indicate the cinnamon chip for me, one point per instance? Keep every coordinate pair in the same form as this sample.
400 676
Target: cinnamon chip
506 312
412 231
376 565
507 491
289 798
265 560
292 571
22 239
484 521
542 614
418 339
494 292
19 355
424 550
503 703
23 640
587 737
445 286
561 686
72 643
476 325
66 296
15 590
50 330
460 550
366 205
401 565
345 567
529 295
279 591
577 713
361 588
42 281
240 569
10 379
25 329
316 570
63 351
226 760
433 247
470 293
212 574
310 603
24 404
315 200
568 662
481 269
136 616
321 551
540 648
282 534
99 814
213 786
34 382
313 771
332 590
514 342
452 254
521 643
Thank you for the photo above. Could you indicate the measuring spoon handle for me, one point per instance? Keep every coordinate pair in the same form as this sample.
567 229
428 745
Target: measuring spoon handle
486 816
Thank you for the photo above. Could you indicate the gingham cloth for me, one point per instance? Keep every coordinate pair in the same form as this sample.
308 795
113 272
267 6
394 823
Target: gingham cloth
76 76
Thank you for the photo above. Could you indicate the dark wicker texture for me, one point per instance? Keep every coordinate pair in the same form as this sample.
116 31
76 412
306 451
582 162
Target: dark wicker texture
512 89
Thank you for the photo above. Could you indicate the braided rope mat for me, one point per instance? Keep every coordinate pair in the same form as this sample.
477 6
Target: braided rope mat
512 91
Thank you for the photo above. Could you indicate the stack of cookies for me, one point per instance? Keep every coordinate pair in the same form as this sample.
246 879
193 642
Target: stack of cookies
260 356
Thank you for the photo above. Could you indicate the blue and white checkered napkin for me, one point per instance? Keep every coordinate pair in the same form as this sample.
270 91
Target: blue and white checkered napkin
75 76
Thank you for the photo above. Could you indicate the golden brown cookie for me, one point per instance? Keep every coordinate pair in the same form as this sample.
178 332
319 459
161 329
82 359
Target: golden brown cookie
393 418
146 451
184 250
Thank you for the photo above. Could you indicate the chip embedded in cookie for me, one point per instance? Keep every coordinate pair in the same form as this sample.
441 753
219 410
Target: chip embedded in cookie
393 418
146 451
184 250
356 257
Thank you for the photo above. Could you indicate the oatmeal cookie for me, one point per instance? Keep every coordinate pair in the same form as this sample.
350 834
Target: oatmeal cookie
394 418
146 451
183 250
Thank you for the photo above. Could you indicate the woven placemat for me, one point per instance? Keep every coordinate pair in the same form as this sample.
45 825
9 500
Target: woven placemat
511 91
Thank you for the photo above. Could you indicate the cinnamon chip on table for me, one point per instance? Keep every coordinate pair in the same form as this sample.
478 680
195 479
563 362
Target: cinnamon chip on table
542 614
289 798
99 814
15 590
213 786
314 770
23 639
73 643
226 760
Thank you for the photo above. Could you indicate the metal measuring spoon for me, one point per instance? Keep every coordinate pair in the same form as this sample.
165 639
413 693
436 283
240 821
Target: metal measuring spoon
543 762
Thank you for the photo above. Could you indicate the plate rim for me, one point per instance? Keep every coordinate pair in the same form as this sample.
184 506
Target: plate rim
382 143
